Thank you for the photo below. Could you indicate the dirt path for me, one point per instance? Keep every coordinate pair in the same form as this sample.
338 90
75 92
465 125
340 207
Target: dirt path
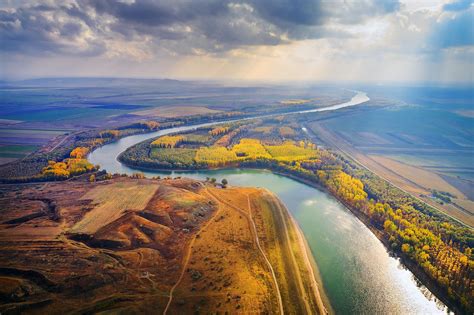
257 241
59 143
188 255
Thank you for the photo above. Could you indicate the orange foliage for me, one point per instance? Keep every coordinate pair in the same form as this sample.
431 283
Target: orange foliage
219 131
110 134
167 141
79 153
66 168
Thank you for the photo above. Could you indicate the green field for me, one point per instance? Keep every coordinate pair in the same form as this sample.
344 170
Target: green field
52 132
61 114
16 151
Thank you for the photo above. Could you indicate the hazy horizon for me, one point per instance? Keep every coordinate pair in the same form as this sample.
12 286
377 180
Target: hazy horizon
390 41
253 83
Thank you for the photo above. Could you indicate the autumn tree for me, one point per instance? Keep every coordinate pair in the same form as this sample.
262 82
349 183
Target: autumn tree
79 153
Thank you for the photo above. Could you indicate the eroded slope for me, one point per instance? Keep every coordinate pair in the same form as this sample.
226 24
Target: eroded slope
142 245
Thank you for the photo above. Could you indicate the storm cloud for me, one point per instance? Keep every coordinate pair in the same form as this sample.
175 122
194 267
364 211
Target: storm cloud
186 27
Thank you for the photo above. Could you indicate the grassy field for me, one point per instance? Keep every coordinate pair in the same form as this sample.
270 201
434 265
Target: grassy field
12 152
448 163
286 131
60 114
263 129
16 150
197 138
176 111
17 143
426 133
27 136
112 200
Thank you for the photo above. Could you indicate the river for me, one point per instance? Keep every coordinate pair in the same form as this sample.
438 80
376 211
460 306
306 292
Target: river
358 274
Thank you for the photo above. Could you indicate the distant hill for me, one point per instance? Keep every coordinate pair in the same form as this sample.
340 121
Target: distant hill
95 82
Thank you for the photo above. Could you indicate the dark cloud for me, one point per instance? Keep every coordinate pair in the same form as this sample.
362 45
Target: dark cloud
150 13
37 30
290 12
71 29
458 5
184 26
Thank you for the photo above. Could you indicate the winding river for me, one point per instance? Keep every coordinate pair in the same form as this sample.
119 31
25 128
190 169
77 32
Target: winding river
358 274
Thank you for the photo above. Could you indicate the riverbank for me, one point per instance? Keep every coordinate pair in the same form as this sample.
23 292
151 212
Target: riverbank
316 283
287 254
418 273
275 237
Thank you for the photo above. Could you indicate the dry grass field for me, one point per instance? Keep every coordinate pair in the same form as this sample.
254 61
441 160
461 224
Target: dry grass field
111 202
137 245
176 111
263 238
418 176
225 272
461 207
465 204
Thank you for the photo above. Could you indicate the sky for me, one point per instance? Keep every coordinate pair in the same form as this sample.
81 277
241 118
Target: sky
258 40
